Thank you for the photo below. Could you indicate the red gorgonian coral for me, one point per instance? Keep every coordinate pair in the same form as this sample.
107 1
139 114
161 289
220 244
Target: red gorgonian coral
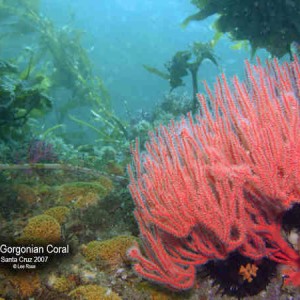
220 183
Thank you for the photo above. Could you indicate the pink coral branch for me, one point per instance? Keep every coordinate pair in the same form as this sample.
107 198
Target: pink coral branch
218 183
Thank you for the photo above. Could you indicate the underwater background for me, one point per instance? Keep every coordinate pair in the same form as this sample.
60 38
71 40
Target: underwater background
80 83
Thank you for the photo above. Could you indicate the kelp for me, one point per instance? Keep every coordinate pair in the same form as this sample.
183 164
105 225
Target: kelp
7 67
19 100
185 62
67 62
270 24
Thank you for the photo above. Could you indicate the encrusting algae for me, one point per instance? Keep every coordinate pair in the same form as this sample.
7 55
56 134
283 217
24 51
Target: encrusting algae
59 213
106 183
82 194
25 193
41 229
63 284
110 252
93 292
25 284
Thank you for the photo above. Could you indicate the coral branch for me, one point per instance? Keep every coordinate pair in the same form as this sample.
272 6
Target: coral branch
217 184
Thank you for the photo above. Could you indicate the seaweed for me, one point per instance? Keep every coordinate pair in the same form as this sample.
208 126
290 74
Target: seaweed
270 24
185 62
56 59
